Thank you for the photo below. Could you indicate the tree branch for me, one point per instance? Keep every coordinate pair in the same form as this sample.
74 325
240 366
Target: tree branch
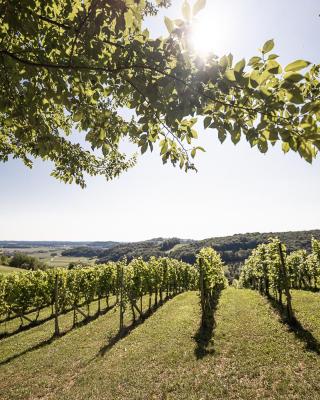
159 119
132 67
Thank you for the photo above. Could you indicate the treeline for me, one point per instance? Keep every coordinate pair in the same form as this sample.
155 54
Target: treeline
83 251
146 249
24 261
233 250
237 248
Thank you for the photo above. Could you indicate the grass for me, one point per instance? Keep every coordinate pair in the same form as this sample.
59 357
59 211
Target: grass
45 255
252 355
58 260
8 270
13 326
64 261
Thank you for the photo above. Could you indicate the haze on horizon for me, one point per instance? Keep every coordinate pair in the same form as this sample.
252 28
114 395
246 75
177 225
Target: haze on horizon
237 189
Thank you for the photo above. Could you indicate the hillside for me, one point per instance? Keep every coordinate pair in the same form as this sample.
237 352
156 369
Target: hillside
233 249
251 355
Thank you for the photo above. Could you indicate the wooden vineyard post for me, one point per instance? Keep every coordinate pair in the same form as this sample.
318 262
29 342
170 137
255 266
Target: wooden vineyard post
99 302
202 296
56 306
286 285
74 315
121 300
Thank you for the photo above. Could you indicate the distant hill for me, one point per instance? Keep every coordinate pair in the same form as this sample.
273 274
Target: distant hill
152 247
236 248
233 249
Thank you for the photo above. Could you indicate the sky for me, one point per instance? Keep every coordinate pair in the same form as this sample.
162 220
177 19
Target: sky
236 190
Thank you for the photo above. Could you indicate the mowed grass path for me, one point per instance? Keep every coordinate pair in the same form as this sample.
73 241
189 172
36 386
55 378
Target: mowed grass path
252 356
4 269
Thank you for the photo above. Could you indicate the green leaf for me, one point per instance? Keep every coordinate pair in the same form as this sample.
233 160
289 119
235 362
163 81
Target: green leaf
144 148
235 136
254 78
273 135
239 67
229 74
268 46
102 134
206 122
254 60
295 97
285 147
222 135
262 146
297 65
293 77
201 149
274 67
223 61
164 147
186 11
129 18
194 133
198 6
169 24
77 116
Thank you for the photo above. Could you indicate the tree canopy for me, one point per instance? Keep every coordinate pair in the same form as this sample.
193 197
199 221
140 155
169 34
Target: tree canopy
74 65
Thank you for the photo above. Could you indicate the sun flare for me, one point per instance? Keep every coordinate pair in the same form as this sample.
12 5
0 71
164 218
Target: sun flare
201 40
208 36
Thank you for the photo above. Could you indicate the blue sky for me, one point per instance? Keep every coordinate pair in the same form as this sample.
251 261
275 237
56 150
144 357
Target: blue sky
237 189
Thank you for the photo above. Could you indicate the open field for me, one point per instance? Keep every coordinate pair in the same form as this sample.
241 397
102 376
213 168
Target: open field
251 355
8 270
49 255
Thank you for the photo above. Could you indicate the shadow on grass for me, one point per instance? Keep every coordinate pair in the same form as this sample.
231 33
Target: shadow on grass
205 334
38 322
53 338
128 329
295 326
23 328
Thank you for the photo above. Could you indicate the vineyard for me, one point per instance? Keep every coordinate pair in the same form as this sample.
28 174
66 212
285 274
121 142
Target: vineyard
62 290
273 273
164 318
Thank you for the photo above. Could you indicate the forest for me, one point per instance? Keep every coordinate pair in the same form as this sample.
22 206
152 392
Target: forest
233 249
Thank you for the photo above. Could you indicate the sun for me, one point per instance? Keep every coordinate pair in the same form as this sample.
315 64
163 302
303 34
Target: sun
208 36
200 39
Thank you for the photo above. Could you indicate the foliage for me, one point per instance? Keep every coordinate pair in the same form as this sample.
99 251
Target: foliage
304 268
82 251
22 292
235 283
20 260
212 281
266 270
168 244
211 265
73 66
262 270
4 260
233 249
